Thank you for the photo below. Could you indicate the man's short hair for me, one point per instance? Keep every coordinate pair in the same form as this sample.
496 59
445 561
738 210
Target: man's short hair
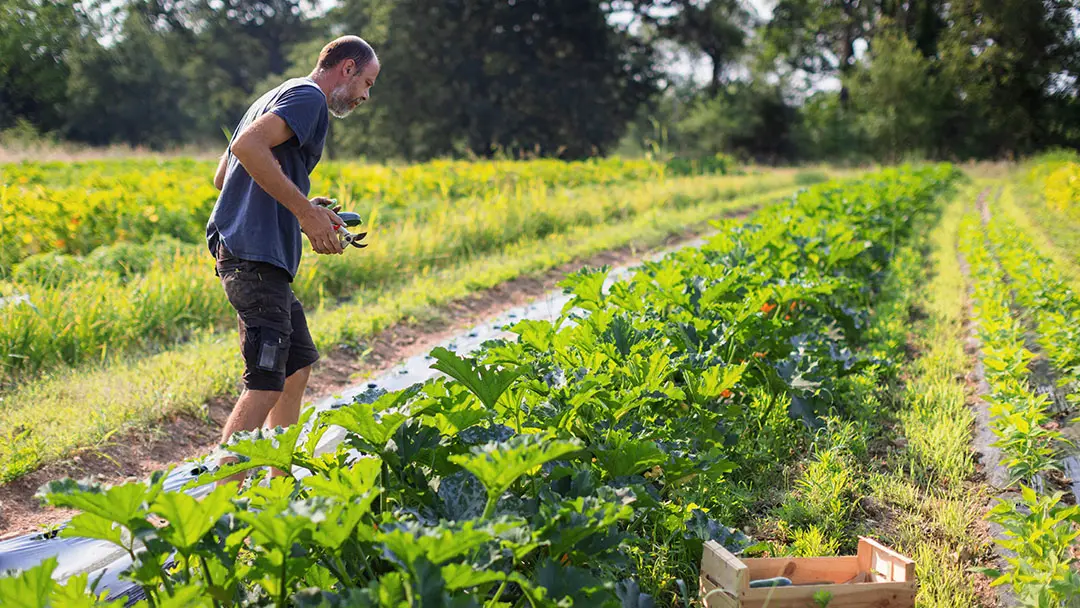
346 47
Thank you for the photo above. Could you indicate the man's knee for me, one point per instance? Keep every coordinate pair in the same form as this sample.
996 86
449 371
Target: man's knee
303 372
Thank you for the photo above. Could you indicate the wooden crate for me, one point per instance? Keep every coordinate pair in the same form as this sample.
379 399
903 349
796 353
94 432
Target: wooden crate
877 577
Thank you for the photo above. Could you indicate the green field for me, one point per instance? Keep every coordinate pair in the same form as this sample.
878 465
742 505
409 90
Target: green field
792 384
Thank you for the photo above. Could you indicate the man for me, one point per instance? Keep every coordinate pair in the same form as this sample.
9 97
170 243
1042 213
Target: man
254 231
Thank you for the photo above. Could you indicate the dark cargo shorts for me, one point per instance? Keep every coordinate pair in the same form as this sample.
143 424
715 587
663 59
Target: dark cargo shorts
274 337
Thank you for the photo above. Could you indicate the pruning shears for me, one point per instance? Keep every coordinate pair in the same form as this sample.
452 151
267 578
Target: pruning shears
351 219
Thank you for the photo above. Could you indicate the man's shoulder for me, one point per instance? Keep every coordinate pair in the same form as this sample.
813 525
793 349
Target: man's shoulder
300 87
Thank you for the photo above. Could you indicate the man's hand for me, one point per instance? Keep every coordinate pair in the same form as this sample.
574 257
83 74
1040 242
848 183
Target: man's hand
318 224
327 202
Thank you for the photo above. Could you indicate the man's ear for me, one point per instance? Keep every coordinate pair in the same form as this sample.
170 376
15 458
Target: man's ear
350 67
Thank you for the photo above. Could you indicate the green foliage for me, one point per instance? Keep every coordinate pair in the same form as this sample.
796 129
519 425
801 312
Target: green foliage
896 98
821 506
486 383
716 164
971 78
499 465
142 61
1008 271
478 78
1041 531
604 438
34 38
812 542
748 120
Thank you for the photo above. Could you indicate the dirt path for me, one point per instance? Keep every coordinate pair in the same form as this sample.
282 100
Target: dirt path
184 436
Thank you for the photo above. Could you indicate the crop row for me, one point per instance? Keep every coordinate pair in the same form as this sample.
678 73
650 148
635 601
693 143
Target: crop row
176 293
75 208
584 461
1039 528
80 407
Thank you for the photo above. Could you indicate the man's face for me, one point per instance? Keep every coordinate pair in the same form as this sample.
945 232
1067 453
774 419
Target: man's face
354 90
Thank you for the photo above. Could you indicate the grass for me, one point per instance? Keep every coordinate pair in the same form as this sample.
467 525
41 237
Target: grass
178 298
1054 235
922 501
43 421
928 488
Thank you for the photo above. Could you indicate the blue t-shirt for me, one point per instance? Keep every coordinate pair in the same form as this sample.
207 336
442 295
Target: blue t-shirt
251 224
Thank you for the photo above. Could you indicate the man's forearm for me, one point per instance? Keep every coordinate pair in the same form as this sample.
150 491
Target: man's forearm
265 170
219 175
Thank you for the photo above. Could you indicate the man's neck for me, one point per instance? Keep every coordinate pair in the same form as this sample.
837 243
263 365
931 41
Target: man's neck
323 80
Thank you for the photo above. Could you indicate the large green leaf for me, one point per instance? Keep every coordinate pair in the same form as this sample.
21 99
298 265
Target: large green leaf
652 372
499 465
122 503
255 449
337 523
464 576
187 596
575 520
91 525
631 596
621 456
277 570
714 382
279 525
347 483
487 383
587 287
453 422
568 582
30 588
453 408
461 496
75 593
537 335
365 420
190 519
438 545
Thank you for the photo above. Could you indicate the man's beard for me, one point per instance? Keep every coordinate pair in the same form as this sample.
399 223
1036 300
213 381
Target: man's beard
340 105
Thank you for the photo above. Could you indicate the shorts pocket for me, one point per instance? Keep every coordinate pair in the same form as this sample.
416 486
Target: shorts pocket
246 292
265 349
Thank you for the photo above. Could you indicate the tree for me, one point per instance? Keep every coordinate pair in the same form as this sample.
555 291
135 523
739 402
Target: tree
748 119
719 29
896 98
224 48
819 36
1011 65
35 38
127 92
549 77
826 133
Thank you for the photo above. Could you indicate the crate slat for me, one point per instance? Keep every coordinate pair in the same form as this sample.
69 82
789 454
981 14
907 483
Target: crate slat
864 595
876 577
805 569
883 563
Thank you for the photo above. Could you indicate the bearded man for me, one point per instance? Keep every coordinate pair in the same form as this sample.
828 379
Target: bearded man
254 231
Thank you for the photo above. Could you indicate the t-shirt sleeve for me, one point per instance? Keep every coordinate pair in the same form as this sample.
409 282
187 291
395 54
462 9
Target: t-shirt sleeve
301 108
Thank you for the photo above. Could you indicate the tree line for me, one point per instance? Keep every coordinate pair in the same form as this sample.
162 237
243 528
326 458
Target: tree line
814 80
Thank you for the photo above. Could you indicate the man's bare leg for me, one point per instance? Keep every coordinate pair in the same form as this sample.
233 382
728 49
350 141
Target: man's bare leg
286 412
250 411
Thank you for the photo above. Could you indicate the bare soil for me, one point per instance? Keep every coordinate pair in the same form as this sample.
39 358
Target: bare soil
184 436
